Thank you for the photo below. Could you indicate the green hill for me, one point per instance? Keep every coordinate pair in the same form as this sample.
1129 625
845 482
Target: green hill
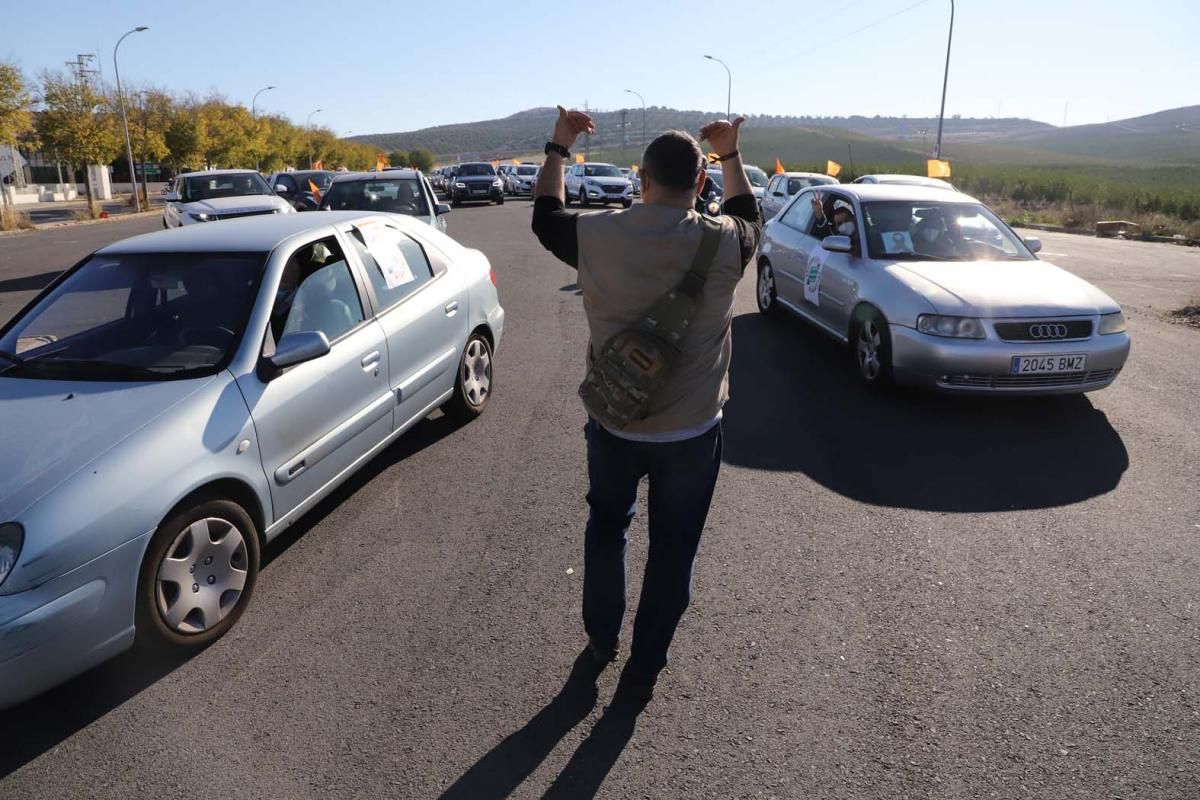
1167 137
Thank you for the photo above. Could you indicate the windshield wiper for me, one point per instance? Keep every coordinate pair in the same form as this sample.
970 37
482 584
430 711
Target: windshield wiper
113 369
16 359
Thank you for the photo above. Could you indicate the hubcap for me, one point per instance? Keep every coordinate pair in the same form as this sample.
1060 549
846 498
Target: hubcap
766 286
201 577
476 373
868 350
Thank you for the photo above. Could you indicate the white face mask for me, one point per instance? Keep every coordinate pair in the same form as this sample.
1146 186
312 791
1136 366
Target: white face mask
846 229
929 234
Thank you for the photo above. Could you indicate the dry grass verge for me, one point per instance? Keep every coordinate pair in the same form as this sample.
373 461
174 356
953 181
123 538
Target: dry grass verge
14 219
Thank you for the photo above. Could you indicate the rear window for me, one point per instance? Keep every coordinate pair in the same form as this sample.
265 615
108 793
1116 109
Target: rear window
389 195
526 170
476 169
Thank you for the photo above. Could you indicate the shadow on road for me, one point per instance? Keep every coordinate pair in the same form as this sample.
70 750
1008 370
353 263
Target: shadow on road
27 283
40 724
796 406
506 766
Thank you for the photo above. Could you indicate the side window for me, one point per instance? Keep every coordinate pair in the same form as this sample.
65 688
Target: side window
799 214
396 264
316 293
774 184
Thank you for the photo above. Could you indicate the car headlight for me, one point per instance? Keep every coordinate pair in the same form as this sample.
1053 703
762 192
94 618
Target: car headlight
953 327
199 216
459 185
12 536
1112 323
497 183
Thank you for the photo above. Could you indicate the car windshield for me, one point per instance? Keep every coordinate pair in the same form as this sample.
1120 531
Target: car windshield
526 170
234 184
757 176
796 184
393 195
717 178
923 231
321 179
602 171
137 317
475 169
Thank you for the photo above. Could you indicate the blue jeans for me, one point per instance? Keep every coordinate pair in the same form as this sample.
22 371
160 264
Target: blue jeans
682 478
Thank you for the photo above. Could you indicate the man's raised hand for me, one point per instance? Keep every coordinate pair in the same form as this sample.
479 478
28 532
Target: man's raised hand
722 135
569 125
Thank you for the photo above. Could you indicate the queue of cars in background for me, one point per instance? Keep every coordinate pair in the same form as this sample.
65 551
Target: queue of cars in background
933 289
220 381
597 182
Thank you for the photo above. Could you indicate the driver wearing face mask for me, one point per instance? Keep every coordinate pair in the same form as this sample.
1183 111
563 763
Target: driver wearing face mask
843 222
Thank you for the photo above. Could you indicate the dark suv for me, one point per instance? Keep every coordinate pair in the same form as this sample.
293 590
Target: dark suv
476 181
297 187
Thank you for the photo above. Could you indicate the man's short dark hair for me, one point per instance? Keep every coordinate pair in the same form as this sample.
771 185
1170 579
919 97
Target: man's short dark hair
673 160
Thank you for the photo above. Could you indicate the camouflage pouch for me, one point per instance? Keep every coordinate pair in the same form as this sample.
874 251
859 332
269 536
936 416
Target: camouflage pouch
632 366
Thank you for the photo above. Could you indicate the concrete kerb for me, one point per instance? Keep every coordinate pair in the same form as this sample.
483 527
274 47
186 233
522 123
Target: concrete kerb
42 226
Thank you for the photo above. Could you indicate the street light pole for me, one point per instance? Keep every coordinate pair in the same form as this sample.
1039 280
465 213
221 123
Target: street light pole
729 85
254 115
937 152
137 201
308 129
639 97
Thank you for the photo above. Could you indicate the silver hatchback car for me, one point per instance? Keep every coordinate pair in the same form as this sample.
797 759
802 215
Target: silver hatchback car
932 289
176 400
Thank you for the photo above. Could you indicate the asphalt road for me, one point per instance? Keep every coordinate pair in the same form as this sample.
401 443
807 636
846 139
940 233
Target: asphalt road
899 597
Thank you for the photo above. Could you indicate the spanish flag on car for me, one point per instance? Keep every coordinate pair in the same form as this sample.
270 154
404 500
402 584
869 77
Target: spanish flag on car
316 190
779 170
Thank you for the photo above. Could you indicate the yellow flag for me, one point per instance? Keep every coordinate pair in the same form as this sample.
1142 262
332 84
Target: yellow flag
579 158
381 162
516 161
713 158
779 170
832 168
937 168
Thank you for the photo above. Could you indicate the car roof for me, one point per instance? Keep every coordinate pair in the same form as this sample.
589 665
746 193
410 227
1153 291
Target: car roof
598 164
387 174
203 172
868 192
896 177
258 234
474 163
807 175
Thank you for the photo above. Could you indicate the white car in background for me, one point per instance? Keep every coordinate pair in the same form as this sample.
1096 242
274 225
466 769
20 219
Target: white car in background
217 194
758 180
905 180
783 186
594 182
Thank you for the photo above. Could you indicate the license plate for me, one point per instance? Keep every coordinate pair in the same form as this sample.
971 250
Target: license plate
479 191
1042 365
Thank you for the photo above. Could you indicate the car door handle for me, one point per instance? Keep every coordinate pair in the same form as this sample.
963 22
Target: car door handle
451 308
370 362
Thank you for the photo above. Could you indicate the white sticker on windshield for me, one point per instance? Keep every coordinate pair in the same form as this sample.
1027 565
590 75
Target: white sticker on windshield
383 243
897 242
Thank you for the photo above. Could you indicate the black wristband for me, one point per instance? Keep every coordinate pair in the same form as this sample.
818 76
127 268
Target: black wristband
733 155
555 147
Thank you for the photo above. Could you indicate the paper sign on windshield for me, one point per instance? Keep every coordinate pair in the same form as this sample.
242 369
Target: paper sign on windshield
897 242
383 243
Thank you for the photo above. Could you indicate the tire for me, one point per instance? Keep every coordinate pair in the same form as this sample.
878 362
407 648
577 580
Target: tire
500 201
871 348
765 290
175 616
473 384
583 199
626 204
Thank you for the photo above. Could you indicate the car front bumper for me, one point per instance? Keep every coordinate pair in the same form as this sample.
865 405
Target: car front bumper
601 196
984 366
466 195
67 625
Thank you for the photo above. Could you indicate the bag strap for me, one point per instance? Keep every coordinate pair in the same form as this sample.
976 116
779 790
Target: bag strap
710 237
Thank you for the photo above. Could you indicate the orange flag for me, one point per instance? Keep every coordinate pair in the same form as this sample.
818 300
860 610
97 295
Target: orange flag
381 162
832 168
316 190
779 170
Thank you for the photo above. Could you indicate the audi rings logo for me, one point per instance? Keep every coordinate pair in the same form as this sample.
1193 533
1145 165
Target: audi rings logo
1048 330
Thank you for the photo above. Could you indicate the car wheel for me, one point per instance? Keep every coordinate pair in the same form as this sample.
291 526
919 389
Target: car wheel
871 345
197 576
499 201
766 288
473 384
583 199
626 203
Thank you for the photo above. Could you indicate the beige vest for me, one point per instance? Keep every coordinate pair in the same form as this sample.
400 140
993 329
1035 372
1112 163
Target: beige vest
628 260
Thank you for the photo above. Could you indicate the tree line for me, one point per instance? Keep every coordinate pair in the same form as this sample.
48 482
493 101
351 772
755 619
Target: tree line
72 118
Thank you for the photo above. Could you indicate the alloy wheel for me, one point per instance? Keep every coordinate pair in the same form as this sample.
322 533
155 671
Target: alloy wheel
766 287
476 373
867 347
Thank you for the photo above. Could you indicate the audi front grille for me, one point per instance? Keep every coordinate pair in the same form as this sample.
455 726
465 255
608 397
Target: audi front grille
1051 330
1060 380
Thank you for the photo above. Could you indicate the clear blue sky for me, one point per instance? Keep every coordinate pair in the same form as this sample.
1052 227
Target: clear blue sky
385 66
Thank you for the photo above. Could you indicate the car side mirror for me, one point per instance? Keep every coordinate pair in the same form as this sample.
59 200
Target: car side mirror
779 194
281 189
442 208
296 348
1033 243
837 244
171 197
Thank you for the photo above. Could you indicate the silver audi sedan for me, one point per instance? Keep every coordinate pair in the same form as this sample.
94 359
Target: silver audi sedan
930 288
176 400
